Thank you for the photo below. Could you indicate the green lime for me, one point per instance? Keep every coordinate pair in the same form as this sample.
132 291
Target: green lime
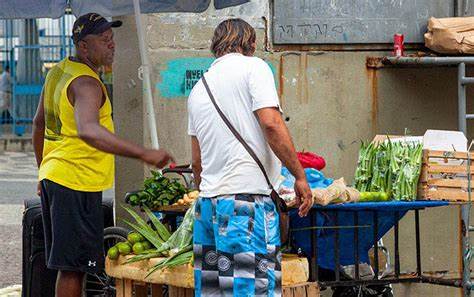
383 196
364 196
113 253
135 237
138 248
146 245
124 248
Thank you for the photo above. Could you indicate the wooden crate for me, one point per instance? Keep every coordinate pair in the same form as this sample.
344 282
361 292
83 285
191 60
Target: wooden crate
302 290
129 288
440 179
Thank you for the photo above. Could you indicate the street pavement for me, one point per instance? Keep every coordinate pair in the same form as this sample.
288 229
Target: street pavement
18 181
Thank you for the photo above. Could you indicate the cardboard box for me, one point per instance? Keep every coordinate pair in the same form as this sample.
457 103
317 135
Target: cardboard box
438 140
451 35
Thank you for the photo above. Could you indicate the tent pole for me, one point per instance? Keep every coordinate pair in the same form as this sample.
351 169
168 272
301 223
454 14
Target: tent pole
144 74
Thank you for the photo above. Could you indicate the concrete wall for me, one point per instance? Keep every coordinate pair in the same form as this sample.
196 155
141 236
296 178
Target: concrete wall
127 111
331 100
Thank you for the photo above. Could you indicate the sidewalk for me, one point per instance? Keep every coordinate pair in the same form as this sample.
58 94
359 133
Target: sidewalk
12 291
17 182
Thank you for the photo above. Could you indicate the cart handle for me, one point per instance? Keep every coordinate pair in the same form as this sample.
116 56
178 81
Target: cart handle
180 169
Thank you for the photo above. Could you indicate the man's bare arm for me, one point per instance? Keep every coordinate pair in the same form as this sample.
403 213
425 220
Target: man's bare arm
38 135
196 160
38 131
278 137
87 95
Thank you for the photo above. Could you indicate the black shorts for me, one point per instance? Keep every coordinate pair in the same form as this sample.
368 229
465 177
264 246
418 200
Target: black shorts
73 228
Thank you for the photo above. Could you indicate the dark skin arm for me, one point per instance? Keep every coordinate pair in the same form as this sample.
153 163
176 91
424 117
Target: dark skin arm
38 131
86 94
278 137
196 160
38 134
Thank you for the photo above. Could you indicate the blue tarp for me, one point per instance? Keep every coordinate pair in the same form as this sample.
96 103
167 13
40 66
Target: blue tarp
326 217
23 9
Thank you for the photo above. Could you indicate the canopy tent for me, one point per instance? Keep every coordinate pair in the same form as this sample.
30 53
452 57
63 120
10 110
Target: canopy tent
25 9
28 9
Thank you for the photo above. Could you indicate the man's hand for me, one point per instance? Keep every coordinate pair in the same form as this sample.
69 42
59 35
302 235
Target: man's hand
38 189
304 197
158 158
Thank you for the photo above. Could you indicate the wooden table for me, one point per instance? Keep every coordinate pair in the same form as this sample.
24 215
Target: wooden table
130 278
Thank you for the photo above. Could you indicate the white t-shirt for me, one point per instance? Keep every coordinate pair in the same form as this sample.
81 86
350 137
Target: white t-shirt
240 85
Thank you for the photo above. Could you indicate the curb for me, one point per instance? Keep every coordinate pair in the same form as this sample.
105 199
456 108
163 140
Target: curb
16 144
11 291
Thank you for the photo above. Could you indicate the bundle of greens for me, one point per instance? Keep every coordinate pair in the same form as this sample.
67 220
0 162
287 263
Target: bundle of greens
177 247
158 190
389 167
156 235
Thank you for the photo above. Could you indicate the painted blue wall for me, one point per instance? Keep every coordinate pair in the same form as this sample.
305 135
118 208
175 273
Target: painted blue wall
182 73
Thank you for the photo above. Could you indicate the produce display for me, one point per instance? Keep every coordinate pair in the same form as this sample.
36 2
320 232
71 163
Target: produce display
188 199
136 243
373 196
154 241
286 189
337 192
391 169
158 190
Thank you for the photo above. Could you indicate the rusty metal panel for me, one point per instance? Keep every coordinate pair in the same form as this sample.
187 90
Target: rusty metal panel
354 21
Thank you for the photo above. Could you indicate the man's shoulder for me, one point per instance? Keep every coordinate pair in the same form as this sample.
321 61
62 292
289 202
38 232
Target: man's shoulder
259 64
246 59
85 83
252 65
56 71
196 90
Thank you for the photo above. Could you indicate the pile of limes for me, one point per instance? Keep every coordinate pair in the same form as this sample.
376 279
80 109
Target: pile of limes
374 197
135 243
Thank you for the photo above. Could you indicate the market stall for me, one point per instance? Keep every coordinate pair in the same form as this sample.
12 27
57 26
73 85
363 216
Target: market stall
295 273
157 257
343 234
343 230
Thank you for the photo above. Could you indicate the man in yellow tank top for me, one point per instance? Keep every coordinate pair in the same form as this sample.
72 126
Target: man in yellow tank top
74 142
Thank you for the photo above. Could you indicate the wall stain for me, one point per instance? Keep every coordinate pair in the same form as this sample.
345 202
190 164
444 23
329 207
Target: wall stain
281 75
341 145
302 87
281 81
302 91
304 70
373 85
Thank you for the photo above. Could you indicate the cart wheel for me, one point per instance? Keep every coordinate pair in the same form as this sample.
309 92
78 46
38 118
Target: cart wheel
100 284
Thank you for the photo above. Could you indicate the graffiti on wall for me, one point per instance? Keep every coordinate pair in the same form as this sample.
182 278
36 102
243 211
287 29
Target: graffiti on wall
191 77
181 74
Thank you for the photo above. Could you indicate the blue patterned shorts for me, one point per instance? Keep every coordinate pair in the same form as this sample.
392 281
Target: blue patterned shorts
237 246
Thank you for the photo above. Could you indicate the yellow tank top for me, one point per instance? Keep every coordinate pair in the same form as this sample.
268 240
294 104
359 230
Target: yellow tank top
67 159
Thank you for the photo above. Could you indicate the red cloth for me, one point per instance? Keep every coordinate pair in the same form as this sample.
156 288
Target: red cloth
311 160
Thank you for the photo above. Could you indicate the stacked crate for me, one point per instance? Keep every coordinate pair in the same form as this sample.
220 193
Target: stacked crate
444 176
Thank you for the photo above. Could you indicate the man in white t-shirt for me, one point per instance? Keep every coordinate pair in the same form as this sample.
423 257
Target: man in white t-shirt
236 230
